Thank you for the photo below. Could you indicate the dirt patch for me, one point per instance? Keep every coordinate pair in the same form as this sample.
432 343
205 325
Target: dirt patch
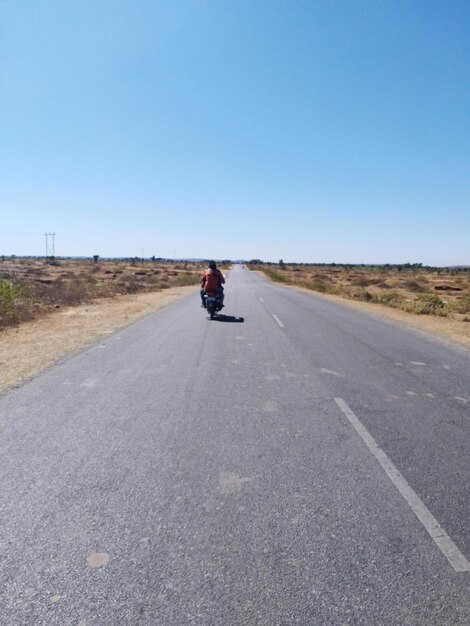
36 345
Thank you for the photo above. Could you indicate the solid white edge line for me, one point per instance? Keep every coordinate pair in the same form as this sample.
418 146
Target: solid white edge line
278 321
438 534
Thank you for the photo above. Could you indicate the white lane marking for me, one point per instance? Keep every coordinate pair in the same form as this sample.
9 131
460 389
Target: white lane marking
89 383
278 321
260 299
325 370
438 534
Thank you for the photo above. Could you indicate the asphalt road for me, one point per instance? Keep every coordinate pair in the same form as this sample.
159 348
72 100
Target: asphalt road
293 462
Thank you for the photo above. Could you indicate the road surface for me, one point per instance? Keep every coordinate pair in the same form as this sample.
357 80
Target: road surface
293 462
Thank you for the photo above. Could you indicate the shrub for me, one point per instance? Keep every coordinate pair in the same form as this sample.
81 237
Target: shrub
430 304
67 292
393 298
462 304
365 295
14 302
186 279
317 285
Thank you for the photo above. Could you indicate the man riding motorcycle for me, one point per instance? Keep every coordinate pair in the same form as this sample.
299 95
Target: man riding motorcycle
212 280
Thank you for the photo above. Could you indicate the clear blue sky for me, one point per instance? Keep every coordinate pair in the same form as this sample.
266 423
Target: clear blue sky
319 130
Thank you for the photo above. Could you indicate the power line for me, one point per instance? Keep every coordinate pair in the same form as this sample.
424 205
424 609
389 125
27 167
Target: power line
50 248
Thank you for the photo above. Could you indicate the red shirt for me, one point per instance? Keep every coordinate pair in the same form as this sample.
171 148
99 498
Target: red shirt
217 273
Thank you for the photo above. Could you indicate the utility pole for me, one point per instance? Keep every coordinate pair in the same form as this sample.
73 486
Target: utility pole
50 248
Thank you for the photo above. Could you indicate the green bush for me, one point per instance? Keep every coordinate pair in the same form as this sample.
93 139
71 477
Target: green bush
13 301
431 304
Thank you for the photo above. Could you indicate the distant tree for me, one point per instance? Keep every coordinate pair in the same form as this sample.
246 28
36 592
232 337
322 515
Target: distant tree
96 257
281 264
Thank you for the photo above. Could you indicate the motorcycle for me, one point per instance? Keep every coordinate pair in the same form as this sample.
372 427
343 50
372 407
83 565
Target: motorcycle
213 303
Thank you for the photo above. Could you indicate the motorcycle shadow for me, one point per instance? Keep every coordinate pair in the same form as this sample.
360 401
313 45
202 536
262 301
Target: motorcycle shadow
228 318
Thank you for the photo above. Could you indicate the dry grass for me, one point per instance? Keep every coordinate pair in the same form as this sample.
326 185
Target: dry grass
438 292
30 288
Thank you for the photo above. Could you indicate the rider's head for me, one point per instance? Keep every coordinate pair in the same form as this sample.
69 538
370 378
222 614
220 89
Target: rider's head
212 265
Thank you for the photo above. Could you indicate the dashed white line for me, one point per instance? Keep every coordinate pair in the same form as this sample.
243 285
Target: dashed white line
278 321
438 534
261 299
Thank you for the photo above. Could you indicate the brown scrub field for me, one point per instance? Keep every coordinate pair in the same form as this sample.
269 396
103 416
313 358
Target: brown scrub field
31 287
442 292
